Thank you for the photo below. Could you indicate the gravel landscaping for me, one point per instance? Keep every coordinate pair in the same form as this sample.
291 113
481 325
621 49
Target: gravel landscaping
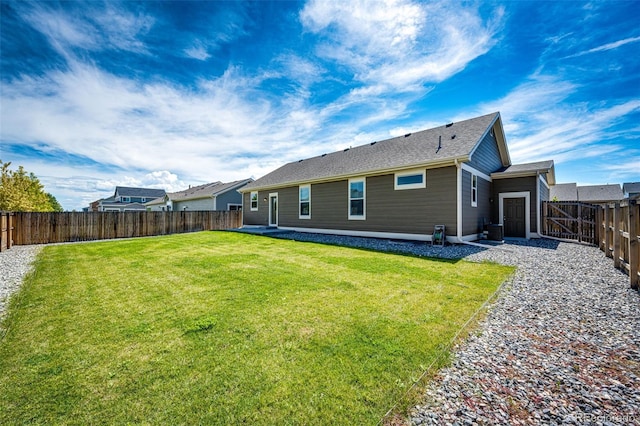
560 345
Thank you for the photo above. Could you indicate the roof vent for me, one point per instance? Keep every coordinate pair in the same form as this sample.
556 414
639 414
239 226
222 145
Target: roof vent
346 149
374 142
450 124
407 135
300 161
439 144
323 155
453 136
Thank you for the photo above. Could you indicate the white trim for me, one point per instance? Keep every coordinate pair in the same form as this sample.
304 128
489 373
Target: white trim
421 172
364 199
459 200
543 180
271 221
300 215
234 204
527 208
251 201
476 172
375 234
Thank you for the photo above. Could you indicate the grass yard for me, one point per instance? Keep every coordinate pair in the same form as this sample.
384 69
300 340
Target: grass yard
227 328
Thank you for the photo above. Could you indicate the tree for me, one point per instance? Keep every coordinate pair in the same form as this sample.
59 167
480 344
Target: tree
55 205
21 192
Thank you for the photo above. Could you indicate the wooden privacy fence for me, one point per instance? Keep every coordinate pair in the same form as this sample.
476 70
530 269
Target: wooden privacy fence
6 229
571 221
43 228
620 224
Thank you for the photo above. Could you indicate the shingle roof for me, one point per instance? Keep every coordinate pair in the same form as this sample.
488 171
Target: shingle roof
207 190
631 187
125 191
600 193
526 169
564 192
432 146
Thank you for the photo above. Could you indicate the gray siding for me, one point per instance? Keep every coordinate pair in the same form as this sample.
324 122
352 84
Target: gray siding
260 217
474 218
193 205
413 211
522 184
229 197
486 158
544 191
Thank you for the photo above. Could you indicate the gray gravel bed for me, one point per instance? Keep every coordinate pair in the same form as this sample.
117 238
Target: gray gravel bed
15 263
561 344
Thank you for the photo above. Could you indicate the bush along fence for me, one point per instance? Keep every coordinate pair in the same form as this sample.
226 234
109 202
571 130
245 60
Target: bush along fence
44 228
619 237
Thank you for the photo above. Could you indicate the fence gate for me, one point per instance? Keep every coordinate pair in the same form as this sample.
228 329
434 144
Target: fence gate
571 221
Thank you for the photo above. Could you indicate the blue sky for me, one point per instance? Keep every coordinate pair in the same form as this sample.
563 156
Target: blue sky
171 94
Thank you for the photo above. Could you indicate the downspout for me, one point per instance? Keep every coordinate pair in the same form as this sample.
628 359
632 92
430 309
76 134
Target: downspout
458 238
538 204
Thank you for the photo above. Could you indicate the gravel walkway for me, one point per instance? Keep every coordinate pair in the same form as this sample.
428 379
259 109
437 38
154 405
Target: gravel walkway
561 345
14 265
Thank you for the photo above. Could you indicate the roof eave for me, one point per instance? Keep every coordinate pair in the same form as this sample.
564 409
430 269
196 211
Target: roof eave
431 165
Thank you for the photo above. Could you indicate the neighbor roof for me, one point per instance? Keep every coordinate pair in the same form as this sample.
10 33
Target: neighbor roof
564 192
631 187
528 169
208 190
440 145
600 193
125 191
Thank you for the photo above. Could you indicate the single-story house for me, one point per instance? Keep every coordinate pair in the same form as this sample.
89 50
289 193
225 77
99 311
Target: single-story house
459 175
631 189
592 194
210 196
127 199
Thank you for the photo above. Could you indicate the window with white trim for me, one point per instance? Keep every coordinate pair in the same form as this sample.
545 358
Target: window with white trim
474 190
357 198
254 201
411 179
304 195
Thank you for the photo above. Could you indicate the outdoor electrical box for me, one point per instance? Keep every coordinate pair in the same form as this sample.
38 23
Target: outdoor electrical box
438 237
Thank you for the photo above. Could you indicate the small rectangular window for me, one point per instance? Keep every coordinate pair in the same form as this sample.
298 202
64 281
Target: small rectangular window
412 179
357 199
126 199
254 201
305 201
474 191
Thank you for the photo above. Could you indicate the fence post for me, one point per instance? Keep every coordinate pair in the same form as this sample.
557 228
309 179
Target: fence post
634 256
616 235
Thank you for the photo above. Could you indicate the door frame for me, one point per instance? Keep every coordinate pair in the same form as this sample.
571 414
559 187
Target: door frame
273 222
527 209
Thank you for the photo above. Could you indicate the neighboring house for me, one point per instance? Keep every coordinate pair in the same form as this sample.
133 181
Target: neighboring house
210 196
593 194
631 189
458 175
127 199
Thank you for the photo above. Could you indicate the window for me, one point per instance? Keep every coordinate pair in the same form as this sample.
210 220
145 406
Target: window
474 191
412 179
126 199
357 196
254 201
234 207
305 201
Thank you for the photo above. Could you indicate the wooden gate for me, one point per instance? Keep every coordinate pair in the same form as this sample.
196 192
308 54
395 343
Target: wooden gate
571 221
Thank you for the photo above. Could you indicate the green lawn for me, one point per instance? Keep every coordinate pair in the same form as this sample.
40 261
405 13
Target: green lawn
227 328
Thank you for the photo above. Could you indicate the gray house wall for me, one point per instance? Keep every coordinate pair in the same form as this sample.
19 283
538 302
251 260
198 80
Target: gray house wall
545 192
193 205
522 184
486 157
474 218
229 197
411 211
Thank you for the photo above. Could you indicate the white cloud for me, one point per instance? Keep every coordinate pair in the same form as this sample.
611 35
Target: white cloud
399 45
197 51
608 46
